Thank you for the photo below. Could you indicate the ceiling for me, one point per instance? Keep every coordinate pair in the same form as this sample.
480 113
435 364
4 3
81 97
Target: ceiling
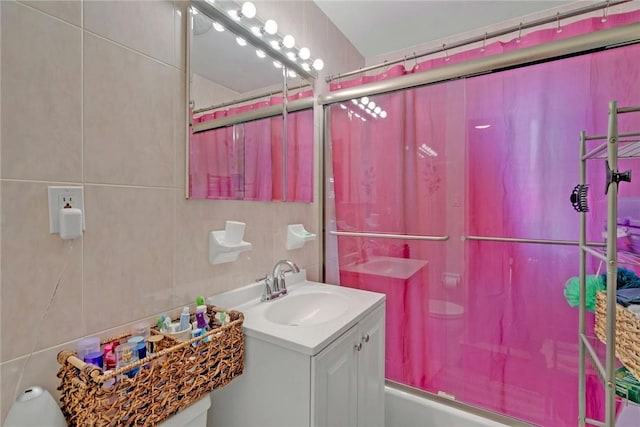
382 26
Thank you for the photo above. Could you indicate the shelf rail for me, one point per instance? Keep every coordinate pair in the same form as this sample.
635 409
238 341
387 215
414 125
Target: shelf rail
616 146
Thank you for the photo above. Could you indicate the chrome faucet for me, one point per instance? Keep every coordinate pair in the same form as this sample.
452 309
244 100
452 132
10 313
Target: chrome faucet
275 285
279 284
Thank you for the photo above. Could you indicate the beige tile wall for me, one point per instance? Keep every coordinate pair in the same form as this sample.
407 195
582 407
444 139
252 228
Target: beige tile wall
93 95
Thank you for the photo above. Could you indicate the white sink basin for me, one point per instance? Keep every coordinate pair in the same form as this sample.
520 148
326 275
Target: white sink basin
306 309
307 319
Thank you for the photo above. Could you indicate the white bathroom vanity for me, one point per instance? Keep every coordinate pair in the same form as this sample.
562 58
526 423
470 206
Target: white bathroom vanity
314 357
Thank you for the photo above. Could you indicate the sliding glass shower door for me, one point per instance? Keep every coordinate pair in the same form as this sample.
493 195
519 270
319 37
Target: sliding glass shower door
424 200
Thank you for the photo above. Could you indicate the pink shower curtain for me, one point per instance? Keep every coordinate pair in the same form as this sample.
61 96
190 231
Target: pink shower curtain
245 161
495 155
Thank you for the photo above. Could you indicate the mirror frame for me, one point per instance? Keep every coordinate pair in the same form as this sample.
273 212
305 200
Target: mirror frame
215 14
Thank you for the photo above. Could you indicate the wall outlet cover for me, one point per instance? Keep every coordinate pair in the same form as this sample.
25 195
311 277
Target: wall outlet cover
59 197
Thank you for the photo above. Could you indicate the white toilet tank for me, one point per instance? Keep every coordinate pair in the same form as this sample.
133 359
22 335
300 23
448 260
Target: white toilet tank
35 407
193 416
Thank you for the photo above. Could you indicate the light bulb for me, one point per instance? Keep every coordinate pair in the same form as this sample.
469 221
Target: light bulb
371 105
291 56
275 44
318 64
271 26
363 119
277 64
383 114
377 110
249 9
234 15
343 106
305 66
218 27
256 31
364 100
361 106
292 74
374 115
357 115
304 53
368 111
288 41
241 41
260 53
354 101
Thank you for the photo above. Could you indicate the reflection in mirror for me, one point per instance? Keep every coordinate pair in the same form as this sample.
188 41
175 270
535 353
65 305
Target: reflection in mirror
238 148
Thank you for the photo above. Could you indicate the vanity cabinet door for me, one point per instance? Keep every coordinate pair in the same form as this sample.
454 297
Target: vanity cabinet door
335 385
348 377
371 370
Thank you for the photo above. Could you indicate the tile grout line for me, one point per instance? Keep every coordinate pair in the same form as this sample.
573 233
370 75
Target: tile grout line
125 47
95 184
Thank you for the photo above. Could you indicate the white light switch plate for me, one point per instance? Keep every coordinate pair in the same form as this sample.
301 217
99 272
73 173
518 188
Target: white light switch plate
58 197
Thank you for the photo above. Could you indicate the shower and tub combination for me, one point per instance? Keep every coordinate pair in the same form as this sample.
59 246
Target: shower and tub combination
455 204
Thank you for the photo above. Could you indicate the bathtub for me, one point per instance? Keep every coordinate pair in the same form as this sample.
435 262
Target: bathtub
406 407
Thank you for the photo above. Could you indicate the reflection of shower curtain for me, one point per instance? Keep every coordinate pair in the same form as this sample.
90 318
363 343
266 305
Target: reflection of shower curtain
495 155
245 161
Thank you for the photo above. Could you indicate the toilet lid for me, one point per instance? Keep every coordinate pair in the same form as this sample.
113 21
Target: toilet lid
445 309
35 407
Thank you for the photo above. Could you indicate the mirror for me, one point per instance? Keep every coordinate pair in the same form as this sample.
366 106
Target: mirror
243 145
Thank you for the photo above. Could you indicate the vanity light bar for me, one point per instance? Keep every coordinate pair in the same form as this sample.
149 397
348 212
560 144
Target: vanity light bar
222 17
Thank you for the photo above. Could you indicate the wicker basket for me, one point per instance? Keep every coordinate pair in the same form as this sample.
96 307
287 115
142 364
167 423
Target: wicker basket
177 375
627 333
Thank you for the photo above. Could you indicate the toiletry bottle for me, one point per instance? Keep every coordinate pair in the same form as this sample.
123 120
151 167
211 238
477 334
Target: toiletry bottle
202 321
184 319
201 317
110 356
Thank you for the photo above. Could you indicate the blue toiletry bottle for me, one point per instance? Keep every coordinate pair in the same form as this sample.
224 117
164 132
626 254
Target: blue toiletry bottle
184 319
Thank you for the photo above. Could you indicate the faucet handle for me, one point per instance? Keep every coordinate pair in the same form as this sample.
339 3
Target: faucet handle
260 279
283 285
267 292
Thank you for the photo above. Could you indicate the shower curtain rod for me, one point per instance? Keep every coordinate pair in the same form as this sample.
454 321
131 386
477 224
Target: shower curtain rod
624 34
247 98
522 26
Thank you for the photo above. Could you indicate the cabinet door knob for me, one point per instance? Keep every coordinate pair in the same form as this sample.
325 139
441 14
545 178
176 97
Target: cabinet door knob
365 338
358 346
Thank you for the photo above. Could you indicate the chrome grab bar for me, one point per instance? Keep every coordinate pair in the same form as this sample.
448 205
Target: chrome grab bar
540 241
389 236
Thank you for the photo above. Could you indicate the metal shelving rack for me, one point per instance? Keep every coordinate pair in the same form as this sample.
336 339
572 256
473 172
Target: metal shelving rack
614 147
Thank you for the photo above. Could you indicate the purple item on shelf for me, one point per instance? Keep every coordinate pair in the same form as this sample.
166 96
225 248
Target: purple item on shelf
95 358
